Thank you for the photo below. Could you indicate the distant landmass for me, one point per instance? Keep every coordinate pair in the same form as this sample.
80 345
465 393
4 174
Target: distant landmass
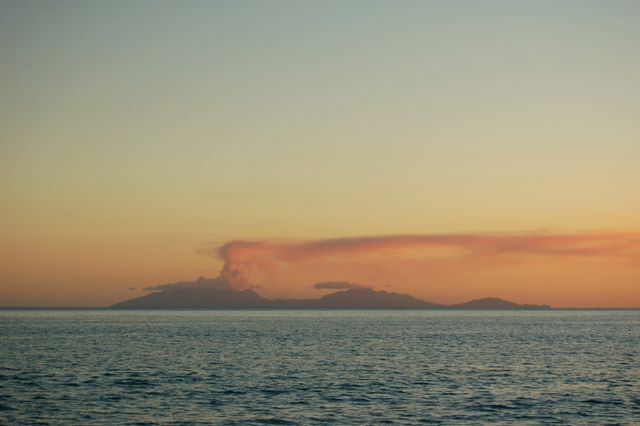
357 298
496 303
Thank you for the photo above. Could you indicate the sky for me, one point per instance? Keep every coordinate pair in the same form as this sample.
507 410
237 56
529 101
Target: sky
137 138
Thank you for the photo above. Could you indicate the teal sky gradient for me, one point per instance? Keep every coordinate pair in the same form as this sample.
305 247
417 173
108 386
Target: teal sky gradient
176 123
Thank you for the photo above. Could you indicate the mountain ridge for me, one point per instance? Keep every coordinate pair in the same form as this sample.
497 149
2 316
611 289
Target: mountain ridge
356 298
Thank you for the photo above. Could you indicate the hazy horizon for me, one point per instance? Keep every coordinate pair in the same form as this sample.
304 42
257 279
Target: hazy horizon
447 150
195 194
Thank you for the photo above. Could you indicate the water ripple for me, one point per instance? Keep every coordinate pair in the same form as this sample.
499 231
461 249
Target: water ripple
319 367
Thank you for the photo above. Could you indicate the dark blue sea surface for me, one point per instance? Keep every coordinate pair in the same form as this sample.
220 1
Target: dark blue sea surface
319 367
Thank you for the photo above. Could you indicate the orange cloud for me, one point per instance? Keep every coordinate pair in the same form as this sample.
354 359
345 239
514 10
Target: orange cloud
448 266
240 255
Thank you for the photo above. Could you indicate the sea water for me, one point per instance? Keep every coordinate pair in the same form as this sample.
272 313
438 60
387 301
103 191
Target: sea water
319 367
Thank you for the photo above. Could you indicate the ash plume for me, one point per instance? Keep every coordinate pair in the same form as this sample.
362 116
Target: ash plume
242 257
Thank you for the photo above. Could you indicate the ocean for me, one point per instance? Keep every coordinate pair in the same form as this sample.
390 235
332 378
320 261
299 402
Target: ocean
99 366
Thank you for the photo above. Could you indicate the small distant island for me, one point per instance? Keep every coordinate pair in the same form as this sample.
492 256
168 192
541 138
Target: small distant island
356 298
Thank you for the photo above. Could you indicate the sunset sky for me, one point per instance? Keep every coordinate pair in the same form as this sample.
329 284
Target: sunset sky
447 149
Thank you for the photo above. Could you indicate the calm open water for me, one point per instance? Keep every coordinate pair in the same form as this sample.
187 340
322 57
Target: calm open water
319 367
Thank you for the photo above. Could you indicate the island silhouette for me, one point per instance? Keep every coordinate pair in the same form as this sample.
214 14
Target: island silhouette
353 298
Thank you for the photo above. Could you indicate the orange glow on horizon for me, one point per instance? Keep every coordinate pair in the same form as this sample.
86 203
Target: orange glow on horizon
571 269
